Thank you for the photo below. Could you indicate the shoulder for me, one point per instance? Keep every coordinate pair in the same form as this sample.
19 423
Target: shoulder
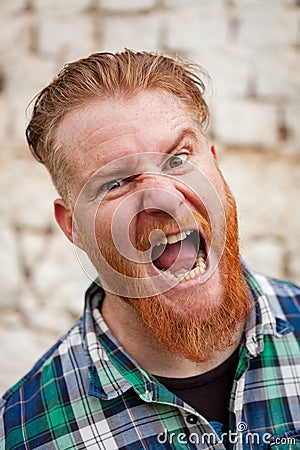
46 383
283 298
286 292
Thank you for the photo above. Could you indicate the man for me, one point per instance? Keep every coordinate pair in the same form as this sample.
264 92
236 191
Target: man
180 345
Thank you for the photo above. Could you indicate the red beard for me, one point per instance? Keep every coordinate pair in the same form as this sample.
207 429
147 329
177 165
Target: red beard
196 325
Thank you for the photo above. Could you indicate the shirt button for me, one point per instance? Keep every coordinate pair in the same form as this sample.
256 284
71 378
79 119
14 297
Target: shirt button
148 395
191 419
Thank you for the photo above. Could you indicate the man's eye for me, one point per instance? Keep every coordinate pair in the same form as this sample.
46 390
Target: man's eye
176 161
110 185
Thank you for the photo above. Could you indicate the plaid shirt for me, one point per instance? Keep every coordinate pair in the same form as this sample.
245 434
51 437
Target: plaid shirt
87 393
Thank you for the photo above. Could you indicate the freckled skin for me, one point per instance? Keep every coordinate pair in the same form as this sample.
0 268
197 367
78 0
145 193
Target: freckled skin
107 130
149 122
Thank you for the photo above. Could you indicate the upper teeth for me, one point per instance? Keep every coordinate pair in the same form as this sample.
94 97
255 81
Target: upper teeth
172 238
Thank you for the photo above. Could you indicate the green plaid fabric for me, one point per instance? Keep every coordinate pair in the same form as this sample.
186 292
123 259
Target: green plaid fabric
87 393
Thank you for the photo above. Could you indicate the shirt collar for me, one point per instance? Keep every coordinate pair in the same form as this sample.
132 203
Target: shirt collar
267 317
113 372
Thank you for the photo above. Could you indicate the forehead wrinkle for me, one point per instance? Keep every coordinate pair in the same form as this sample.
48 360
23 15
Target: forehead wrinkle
100 127
105 141
77 116
138 143
166 147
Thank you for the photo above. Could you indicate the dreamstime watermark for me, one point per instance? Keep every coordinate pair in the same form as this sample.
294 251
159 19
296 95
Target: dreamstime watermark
111 186
241 436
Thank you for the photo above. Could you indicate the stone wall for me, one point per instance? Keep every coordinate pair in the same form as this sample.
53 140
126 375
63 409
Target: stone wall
251 49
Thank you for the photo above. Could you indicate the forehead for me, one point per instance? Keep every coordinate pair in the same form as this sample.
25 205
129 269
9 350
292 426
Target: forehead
104 130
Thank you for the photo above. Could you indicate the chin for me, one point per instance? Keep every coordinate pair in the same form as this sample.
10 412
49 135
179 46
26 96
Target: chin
195 300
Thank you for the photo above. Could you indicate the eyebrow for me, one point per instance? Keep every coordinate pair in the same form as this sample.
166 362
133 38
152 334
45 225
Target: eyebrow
186 133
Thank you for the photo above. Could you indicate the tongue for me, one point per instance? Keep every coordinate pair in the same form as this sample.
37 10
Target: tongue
181 256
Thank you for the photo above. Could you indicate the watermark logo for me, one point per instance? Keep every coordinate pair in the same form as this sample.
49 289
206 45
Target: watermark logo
241 436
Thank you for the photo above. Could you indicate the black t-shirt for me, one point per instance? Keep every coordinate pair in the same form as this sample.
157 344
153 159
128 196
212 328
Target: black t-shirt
208 393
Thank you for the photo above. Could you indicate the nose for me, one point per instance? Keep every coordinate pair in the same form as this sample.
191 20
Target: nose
161 197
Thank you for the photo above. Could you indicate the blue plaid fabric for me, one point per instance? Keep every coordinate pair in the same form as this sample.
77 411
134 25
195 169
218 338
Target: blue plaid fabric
87 393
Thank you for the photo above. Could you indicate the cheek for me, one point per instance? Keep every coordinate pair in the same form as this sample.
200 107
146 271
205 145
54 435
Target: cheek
203 190
102 224
218 184
214 177
122 216
115 225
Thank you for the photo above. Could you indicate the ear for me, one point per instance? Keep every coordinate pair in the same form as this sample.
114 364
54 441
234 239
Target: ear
213 151
65 221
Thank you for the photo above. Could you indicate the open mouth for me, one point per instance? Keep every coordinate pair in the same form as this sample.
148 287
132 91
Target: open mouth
180 257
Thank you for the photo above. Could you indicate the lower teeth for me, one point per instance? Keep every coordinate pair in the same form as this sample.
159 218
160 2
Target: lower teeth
198 270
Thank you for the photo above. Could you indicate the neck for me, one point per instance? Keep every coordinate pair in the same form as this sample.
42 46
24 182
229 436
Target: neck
131 333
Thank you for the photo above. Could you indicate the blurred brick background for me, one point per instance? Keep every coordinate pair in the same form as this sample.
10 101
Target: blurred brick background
251 49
